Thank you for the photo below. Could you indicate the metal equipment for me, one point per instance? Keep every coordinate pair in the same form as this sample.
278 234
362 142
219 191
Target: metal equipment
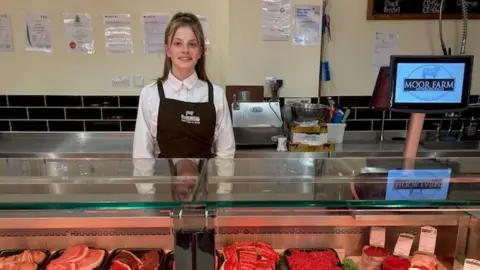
303 112
258 123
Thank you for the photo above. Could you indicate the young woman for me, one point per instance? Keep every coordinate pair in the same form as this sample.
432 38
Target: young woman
183 111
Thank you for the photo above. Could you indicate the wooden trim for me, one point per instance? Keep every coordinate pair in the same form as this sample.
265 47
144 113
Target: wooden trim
256 92
371 16
370 10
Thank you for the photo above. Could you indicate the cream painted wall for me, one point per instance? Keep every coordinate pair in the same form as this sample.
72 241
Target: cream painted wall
237 56
61 72
351 51
250 59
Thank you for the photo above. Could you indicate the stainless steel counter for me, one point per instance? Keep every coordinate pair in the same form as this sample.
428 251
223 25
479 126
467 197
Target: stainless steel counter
119 145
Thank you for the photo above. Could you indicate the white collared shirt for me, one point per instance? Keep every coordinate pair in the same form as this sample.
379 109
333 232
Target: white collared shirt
193 90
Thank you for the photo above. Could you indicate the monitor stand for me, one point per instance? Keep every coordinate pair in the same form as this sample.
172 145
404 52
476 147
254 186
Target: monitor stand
414 133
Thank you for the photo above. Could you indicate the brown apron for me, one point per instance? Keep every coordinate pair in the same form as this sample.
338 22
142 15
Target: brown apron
185 129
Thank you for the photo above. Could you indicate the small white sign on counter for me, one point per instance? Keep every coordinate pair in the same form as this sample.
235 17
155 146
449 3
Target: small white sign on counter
471 264
377 237
404 245
428 240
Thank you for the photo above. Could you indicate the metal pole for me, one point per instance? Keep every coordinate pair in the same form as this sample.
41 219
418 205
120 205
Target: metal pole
382 131
412 141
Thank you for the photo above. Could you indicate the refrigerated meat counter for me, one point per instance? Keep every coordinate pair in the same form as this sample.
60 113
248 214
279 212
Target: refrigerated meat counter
345 213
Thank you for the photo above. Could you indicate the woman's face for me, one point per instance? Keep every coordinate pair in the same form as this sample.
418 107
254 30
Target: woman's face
184 49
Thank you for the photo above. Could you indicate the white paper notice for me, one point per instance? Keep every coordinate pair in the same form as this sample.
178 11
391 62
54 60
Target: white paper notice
206 29
377 237
404 245
276 20
6 38
38 32
386 44
79 31
154 26
118 33
307 25
428 240
471 264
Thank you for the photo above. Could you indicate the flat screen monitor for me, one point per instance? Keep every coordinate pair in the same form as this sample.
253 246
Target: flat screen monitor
430 84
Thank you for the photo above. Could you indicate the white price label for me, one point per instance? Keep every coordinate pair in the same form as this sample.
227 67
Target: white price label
377 237
471 264
404 245
428 240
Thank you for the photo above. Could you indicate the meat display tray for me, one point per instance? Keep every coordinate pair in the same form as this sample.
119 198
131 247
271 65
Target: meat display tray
288 252
221 261
137 252
59 253
11 252
167 263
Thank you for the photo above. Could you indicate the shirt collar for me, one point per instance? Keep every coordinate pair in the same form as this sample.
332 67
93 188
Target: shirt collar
176 84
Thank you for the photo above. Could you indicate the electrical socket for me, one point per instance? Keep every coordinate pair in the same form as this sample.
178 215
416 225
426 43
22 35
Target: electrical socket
138 81
297 100
267 92
266 86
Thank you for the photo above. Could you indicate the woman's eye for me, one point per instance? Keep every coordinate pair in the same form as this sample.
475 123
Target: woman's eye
193 45
177 43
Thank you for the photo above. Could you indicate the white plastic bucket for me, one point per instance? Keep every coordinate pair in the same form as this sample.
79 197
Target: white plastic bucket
336 132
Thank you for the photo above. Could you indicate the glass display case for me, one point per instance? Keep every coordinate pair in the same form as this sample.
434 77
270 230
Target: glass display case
277 213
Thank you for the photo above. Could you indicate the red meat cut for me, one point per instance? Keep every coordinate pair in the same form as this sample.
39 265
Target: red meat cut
396 263
74 253
117 265
92 261
149 261
76 258
310 260
60 265
128 258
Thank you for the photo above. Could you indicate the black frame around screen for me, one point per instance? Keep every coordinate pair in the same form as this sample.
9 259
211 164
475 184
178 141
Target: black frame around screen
431 107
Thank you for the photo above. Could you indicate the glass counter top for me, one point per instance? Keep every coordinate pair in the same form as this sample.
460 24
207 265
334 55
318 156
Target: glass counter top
340 183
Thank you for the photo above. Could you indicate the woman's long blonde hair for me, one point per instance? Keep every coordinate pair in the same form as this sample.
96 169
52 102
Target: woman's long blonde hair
182 19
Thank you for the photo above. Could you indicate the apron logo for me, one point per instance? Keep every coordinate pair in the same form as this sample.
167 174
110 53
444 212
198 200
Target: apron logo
189 118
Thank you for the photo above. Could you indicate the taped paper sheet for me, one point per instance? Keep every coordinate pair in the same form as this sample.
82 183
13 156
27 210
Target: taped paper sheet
386 44
38 32
154 26
276 20
307 25
118 33
6 35
79 31
206 29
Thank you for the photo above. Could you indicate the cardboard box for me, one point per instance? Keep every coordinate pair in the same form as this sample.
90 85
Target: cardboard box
306 138
295 128
298 147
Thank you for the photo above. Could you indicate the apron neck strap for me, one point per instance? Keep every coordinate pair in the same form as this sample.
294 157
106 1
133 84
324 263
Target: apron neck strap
210 92
161 93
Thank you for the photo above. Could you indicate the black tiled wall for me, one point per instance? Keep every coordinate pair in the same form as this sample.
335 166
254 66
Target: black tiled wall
362 118
68 113
118 113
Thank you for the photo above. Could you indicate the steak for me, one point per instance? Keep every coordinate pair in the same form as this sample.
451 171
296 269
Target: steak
128 258
150 261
